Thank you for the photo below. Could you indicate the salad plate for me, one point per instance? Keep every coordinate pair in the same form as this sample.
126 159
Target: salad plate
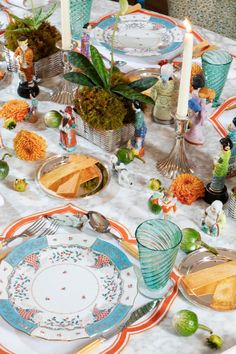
198 260
66 286
140 35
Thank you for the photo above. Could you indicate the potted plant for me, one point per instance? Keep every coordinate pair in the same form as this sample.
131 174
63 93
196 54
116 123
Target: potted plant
103 100
42 38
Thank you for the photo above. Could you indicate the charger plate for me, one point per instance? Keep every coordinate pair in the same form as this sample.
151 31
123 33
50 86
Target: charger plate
140 35
119 342
66 287
202 259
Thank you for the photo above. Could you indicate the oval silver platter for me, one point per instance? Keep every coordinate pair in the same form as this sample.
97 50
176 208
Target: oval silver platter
202 259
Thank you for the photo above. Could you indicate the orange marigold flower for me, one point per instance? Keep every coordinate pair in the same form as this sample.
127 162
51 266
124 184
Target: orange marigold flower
187 188
16 109
29 146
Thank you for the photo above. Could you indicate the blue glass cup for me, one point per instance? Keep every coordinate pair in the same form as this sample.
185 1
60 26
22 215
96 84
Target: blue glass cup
158 244
79 15
215 66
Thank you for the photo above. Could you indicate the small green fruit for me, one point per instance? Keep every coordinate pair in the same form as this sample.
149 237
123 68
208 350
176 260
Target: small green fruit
154 184
52 119
20 185
215 341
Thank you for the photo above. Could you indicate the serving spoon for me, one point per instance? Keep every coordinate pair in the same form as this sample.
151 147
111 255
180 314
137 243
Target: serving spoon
101 224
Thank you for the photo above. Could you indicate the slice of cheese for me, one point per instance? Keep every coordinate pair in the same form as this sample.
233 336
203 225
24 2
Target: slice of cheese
208 276
70 188
77 158
90 173
202 291
224 295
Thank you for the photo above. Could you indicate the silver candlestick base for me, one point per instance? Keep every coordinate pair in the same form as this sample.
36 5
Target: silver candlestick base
176 162
64 92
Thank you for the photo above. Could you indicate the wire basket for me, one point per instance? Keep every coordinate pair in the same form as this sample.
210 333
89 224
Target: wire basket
43 69
108 140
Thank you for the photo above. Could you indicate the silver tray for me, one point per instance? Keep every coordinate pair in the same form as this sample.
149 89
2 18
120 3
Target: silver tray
57 160
198 260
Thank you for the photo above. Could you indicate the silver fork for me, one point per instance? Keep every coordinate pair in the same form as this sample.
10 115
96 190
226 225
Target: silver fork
51 230
30 231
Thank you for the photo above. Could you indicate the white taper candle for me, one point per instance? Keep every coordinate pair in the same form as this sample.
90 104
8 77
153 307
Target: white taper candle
65 24
182 107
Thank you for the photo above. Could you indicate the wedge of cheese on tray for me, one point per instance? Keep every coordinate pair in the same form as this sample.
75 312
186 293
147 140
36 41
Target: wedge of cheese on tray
68 180
218 281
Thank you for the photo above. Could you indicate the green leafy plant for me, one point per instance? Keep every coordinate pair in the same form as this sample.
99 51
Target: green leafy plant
101 96
41 35
34 22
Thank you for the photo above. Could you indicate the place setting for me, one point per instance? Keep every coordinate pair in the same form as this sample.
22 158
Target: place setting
117 173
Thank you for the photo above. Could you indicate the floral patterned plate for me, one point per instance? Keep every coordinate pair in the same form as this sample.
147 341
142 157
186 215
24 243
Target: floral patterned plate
140 35
66 287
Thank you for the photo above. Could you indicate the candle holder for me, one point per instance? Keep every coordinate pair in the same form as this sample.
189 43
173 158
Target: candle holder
64 93
176 162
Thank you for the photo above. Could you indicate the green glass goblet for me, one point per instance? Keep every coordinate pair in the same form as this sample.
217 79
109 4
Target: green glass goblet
79 15
158 243
215 66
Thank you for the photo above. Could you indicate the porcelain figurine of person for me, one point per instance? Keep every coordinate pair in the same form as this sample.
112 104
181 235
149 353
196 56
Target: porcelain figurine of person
67 130
214 219
85 40
24 57
198 106
33 111
166 201
137 142
216 189
163 95
232 136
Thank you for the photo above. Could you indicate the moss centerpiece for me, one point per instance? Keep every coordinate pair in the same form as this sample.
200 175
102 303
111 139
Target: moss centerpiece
42 36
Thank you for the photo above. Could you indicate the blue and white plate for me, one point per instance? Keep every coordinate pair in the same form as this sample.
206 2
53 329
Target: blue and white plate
66 287
140 35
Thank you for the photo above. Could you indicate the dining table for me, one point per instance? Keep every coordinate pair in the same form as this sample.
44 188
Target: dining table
124 205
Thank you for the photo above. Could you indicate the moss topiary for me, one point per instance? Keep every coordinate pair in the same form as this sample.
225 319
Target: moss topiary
105 99
101 110
42 40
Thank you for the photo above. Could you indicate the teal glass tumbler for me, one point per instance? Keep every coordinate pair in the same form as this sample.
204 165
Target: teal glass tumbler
158 244
79 15
215 66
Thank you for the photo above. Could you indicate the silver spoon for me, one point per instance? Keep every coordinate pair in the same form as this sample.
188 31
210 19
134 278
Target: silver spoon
101 224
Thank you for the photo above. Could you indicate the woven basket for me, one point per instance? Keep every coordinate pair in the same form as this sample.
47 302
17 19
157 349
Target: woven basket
108 140
44 68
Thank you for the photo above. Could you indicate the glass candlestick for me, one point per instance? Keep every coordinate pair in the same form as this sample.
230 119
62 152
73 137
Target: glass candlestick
176 162
64 93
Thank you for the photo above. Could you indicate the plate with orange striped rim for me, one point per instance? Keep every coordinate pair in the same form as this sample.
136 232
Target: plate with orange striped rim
121 340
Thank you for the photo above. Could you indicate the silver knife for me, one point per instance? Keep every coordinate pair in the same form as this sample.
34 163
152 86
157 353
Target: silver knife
133 317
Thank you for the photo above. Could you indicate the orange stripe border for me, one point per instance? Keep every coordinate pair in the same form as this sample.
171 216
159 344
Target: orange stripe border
217 113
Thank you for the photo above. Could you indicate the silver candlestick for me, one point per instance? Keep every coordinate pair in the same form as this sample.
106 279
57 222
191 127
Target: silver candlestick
64 93
176 162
